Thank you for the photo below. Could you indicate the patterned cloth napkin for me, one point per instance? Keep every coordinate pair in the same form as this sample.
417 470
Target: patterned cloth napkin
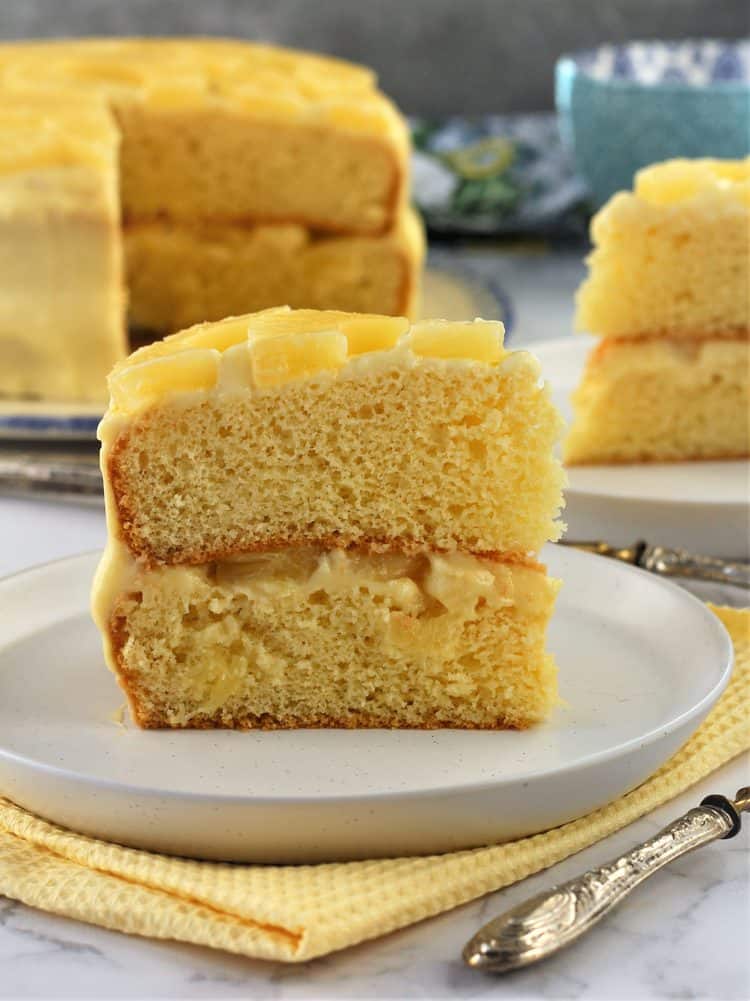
294 913
496 175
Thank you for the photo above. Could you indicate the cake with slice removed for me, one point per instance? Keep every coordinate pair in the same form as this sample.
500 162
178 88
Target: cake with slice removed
245 176
669 294
329 519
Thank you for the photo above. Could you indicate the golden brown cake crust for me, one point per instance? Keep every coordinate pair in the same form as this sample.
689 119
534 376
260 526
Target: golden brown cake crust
607 344
355 721
647 460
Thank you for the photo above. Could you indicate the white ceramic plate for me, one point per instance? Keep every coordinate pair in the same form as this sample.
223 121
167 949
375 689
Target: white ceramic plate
703 506
641 663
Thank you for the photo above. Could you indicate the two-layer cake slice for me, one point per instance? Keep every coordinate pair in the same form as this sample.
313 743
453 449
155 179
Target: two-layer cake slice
669 294
329 519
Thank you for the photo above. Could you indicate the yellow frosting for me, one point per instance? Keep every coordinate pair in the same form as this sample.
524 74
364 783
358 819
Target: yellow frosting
458 581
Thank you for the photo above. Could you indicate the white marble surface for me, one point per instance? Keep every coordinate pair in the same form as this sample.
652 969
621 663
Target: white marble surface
685 934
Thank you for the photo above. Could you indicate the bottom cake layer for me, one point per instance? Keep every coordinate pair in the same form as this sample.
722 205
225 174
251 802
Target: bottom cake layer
179 275
306 638
661 400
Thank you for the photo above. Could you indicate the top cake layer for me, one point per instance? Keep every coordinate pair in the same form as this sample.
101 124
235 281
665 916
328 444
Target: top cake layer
219 129
672 257
303 427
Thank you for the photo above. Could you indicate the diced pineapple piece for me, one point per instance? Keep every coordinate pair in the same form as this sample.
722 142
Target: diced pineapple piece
131 387
283 320
276 360
222 335
373 333
679 180
732 170
479 341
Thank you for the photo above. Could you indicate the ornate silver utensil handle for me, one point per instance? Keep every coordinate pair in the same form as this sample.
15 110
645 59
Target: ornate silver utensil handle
555 918
679 563
671 562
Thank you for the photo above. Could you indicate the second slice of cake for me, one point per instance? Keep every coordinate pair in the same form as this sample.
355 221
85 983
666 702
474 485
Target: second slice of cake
668 293
329 519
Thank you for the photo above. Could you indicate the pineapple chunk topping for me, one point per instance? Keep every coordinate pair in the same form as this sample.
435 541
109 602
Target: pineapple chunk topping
278 346
276 360
477 341
187 371
680 180
222 335
373 333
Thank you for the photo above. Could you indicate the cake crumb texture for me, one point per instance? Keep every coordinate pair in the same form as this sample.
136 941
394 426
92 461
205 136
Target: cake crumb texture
433 457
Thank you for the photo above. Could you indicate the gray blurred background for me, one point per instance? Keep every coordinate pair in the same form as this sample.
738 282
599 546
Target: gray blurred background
432 56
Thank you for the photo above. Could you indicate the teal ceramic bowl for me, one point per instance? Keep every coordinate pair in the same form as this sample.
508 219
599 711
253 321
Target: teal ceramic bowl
622 107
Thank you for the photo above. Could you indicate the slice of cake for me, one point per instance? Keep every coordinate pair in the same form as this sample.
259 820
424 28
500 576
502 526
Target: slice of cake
329 519
668 291
179 275
61 282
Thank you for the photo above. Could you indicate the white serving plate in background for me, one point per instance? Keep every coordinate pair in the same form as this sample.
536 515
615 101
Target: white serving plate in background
701 506
641 663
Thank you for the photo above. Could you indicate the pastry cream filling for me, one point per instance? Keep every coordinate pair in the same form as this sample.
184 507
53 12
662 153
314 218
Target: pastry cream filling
426 583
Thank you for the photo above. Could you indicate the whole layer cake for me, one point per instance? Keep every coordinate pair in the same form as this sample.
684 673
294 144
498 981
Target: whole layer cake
234 162
329 519
668 292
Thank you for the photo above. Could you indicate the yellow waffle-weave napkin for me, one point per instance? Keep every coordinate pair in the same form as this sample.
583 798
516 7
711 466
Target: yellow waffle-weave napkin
294 913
